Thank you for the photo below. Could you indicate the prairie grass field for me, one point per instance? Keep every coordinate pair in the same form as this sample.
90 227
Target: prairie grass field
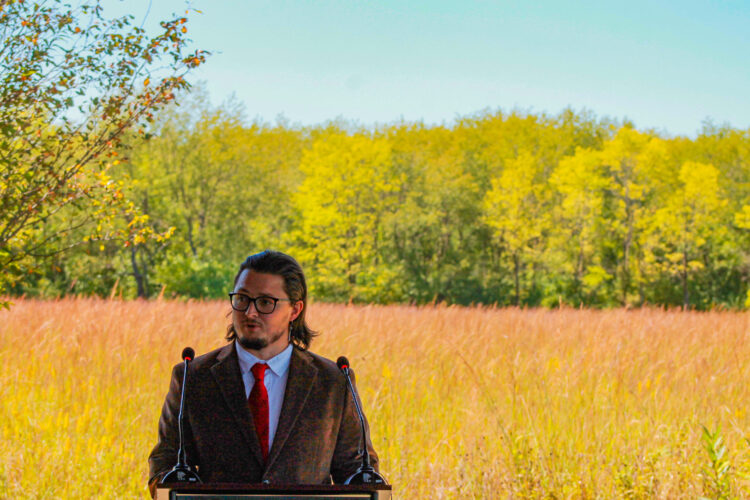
474 402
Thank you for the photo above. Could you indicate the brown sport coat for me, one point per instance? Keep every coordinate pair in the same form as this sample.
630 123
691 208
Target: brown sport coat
317 439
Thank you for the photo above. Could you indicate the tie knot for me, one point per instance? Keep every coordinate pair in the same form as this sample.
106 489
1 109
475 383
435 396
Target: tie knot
259 370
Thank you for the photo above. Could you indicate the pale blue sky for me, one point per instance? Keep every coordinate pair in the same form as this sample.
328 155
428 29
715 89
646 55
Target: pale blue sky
666 65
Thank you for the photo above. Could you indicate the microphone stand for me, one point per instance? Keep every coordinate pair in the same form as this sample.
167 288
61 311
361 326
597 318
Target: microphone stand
365 474
182 472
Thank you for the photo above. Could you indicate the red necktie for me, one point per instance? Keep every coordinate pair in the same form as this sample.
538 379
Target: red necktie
258 402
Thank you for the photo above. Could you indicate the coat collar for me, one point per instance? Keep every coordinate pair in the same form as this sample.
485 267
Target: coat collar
301 378
227 374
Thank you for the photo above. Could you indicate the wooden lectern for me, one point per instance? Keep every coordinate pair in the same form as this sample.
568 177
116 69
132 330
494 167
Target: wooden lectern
231 491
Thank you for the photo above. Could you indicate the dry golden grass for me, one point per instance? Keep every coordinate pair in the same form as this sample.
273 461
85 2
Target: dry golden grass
463 402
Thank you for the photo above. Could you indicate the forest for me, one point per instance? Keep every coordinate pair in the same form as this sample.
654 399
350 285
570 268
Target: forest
499 207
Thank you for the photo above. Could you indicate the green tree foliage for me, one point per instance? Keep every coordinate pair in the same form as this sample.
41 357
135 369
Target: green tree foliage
221 187
72 82
432 235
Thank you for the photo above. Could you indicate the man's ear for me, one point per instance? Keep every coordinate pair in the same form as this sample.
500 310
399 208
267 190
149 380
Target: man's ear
297 309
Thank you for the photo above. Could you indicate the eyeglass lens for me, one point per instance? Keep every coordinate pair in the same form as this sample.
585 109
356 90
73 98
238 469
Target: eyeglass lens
264 305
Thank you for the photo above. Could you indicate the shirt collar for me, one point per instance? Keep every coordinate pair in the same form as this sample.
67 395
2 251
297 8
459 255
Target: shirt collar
278 364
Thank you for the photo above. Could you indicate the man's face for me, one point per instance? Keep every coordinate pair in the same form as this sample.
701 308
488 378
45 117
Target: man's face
264 335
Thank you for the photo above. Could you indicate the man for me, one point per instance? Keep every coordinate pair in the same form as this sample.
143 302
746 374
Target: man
263 409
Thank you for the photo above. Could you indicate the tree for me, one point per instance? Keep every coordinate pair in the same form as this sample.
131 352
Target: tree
580 181
433 237
181 178
689 221
72 82
348 189
637 165
223 186
742 222
513 210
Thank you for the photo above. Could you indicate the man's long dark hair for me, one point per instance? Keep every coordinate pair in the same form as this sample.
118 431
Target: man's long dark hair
281 264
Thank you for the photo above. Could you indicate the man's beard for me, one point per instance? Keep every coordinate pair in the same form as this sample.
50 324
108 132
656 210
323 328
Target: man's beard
256 344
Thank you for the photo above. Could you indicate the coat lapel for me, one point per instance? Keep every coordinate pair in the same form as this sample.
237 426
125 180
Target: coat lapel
299 383
227 374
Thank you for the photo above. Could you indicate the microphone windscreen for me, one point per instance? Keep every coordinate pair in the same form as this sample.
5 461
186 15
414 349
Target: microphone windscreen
188 353
342 363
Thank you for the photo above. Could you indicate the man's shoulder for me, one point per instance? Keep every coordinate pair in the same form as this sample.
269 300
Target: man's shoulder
325 366
209 359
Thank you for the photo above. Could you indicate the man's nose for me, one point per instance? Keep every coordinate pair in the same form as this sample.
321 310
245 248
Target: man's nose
251 310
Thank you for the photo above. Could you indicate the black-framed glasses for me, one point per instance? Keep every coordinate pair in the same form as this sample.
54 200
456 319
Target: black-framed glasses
263 304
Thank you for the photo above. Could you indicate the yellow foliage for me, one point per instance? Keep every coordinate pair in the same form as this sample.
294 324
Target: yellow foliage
742 218
512 205
349 187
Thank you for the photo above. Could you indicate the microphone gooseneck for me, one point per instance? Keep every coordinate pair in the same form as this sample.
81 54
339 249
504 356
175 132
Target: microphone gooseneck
365 474
343 365
182 472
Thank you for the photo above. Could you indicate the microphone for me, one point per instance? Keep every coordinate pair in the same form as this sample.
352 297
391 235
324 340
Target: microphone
365 473
182 472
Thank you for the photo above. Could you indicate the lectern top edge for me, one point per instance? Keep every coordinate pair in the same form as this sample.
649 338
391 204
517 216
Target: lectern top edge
235 491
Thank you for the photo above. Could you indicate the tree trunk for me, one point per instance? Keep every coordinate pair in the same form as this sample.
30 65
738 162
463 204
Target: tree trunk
579 263
516 269
189 234
140 279
626 257
685 292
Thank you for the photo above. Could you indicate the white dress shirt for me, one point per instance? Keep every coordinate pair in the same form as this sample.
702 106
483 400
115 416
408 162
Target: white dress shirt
274 379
